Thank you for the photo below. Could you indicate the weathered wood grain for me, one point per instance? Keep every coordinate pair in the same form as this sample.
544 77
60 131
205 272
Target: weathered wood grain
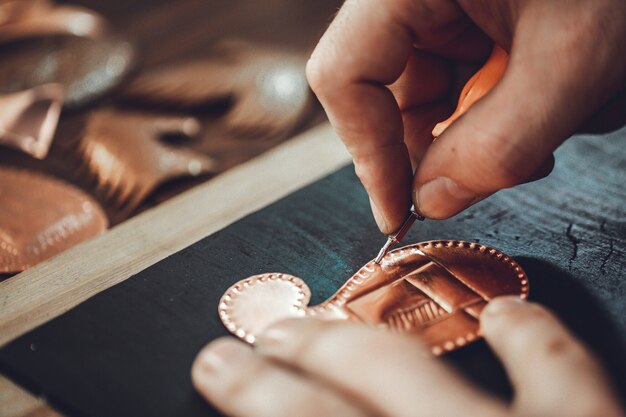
15 402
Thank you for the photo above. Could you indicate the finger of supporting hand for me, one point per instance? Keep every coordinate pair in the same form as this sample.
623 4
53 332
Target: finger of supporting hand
392 373
241 383
553 374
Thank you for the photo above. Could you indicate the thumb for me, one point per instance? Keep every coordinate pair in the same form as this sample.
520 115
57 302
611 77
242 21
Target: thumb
555 79
552 373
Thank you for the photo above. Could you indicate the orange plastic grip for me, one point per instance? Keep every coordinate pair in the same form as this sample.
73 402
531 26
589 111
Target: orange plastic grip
477 86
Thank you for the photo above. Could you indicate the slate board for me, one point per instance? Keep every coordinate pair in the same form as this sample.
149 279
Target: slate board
128 350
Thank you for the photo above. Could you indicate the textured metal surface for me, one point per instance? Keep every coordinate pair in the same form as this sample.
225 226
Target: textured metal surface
86 67
41 217
435 289
266 86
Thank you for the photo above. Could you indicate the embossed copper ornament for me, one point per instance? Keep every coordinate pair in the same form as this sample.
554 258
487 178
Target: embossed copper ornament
267 87
30 18
434 289
85 67
41 217
124 155
29 118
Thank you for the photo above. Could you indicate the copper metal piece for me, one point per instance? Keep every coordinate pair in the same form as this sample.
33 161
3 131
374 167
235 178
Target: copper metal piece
29 118
85 67
267 87
395 238
41 217
30 18
433 289
477 87
125 157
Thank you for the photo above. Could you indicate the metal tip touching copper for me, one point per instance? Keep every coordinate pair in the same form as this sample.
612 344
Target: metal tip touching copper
396 237
383 251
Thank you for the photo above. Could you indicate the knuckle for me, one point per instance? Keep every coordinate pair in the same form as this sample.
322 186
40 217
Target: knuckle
561 347
501 161
315 73
538 334
326 72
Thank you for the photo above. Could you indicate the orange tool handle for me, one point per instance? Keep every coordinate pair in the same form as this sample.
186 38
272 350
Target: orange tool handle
477 86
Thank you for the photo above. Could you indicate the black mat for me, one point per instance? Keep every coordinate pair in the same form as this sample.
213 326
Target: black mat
128 350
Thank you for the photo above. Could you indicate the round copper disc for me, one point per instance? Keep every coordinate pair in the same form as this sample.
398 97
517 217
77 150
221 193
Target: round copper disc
41 217
86 67
435 289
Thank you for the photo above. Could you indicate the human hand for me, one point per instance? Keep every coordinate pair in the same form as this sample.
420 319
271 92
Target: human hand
306 367
384 71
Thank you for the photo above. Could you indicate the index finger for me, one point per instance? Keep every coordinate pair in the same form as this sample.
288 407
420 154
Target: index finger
366 48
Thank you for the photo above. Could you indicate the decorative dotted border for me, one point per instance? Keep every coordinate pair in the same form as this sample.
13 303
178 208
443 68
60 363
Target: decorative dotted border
358 279
227 301
363 274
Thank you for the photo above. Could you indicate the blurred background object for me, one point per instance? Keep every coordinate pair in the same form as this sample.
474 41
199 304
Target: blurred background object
29 118
87 68
124 160
266 87
40 217
158 96
21 19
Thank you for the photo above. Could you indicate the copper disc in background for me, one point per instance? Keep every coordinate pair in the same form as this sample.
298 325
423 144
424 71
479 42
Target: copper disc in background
86 67
41 217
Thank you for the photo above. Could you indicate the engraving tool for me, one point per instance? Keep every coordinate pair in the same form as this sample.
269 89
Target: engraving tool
396 237
477 87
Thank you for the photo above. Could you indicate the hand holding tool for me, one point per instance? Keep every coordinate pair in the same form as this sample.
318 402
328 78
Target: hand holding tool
476 88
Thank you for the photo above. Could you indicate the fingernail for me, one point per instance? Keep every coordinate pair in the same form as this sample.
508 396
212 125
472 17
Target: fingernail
378 217
441 198
503 305
220 356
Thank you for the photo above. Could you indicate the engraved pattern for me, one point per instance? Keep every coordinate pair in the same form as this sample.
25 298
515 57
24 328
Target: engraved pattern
425 313
414 317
